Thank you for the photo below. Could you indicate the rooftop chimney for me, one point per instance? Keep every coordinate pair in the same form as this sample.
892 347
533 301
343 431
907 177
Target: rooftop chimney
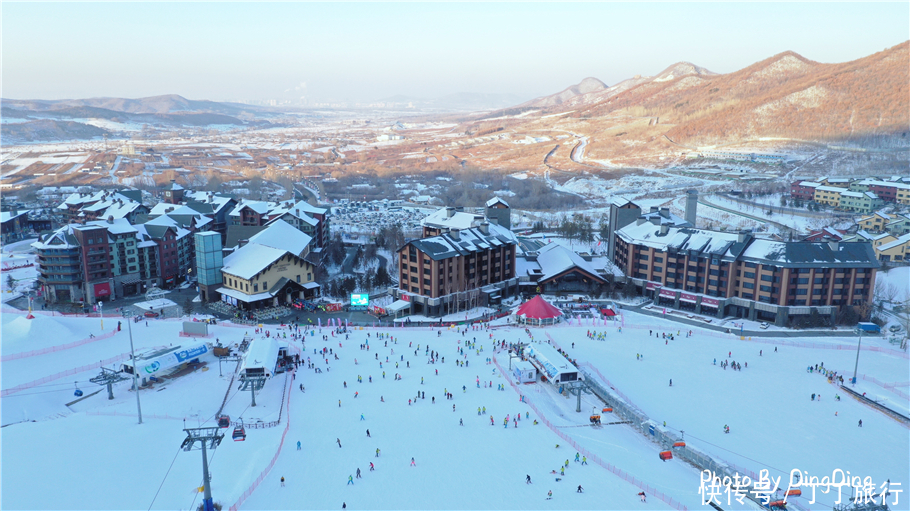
664 229
110 219
655 220
834 245
743 236
665 212
485 228
654 209
640 221
455 234
450 212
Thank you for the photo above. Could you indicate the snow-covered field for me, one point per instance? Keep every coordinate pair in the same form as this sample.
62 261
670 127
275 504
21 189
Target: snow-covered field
476 465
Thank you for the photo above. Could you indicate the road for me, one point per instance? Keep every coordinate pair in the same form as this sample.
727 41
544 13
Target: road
792 211
114 179
744 215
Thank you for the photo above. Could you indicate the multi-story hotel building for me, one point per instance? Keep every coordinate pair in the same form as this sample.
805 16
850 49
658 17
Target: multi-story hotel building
735 274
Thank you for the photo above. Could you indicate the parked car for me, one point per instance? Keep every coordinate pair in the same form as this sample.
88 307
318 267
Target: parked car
764 325
895 328
151 314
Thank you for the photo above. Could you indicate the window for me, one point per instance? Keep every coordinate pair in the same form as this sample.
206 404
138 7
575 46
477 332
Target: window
255 288
658 268
802 281
748 285
712 282
750 265
767 278
802 291
426 282
658 259
298 279
643 257
414 280
766 289
265 285
750 275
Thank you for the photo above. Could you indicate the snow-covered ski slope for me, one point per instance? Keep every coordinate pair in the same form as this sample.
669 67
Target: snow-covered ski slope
98 457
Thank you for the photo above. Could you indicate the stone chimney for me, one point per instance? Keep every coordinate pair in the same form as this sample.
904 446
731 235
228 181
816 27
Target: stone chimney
834 245
664 229
110 219
450 212
485 228
455 234
665 212
655 220
743 236
654 209
640 221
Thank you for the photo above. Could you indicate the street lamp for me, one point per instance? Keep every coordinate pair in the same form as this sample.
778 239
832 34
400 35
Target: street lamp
101 313
129 325
858 344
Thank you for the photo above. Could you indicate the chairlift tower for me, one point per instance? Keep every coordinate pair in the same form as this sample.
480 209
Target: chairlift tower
253 384
576 388
210 437
108 377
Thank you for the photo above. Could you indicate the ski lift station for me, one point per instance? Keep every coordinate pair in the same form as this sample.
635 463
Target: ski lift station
261 358
552 363
164 361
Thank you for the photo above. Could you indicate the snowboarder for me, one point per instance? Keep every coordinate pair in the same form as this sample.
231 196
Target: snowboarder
577 457
358 474
344 505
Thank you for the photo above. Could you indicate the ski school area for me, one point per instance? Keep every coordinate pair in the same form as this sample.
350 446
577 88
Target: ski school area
436 418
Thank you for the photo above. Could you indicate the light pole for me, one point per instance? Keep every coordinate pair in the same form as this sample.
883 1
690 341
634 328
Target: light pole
101 313
129 325
858 344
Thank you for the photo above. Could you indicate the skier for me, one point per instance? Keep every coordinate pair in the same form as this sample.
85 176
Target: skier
298 445
671 382
339 442
282 480
412 463
527 479
368 431
358 474
461 422
580 489
361 418
550 495
584 460
860 423
377 452
642 495
372 467
577 456
350 479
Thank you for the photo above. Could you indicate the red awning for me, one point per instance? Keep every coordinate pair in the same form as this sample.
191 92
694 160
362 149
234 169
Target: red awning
711 302
103 289
687 297
538 308
652 285
667 293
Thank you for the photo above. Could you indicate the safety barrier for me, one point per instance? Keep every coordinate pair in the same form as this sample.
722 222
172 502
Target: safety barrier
62 374
891 387
265 472
53 349
593 457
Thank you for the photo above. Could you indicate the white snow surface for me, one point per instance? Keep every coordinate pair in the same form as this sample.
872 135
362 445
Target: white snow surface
476 466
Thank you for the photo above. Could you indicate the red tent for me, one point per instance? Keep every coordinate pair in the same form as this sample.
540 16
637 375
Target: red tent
538 308
607 312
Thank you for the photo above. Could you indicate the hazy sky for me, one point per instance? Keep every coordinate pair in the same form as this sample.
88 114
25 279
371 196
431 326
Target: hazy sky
368 51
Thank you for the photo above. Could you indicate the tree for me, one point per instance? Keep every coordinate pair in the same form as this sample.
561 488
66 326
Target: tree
188 306
10 282
382 278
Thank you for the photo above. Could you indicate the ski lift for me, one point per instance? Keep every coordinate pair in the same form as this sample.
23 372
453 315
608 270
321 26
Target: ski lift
224 421
78 392
795 492
239 433
679 444
608 410
666 455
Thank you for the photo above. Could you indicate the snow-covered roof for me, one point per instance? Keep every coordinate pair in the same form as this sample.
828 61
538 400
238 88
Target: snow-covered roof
552 361
284 236
459 220
249 260
496 200
117 226
260 207
554 259
896 243
810 184
61 238
469 240
6 216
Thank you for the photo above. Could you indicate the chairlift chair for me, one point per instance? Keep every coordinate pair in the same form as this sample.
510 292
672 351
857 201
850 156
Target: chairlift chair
77 393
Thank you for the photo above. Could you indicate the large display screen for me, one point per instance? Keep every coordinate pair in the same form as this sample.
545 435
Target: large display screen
360 300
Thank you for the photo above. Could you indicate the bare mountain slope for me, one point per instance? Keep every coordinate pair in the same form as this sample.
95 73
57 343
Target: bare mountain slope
586 86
